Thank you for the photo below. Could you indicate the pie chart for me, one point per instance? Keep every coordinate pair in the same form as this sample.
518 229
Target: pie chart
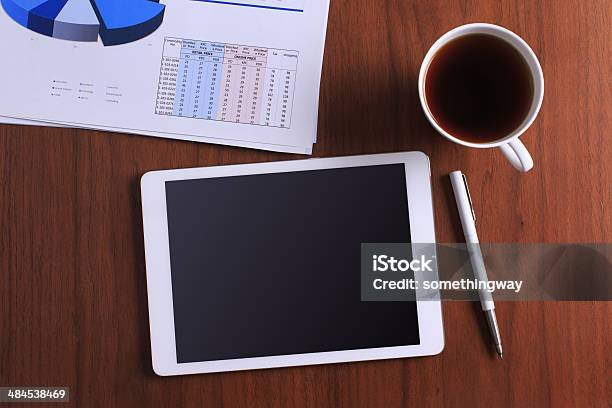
115 21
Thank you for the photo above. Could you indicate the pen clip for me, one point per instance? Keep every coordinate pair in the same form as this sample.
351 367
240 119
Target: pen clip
467 190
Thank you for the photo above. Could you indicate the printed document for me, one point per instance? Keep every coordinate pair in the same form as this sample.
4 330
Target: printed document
242 72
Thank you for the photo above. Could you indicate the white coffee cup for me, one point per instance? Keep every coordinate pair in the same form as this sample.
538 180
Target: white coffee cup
510 145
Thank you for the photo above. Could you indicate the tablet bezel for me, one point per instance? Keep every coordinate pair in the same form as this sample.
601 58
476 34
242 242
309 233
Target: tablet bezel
159 283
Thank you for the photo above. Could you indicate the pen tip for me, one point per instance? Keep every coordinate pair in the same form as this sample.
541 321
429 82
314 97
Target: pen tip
499 350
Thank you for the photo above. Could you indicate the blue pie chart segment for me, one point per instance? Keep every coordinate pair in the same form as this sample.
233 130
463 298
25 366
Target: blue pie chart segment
123 21
19 10
115 21
77 22
41 18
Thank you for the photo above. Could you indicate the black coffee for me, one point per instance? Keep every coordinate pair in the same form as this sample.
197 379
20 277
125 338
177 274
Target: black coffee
479 88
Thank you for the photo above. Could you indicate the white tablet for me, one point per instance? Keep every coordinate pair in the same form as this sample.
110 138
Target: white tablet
258 265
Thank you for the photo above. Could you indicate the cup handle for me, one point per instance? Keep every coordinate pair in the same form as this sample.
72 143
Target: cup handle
516 152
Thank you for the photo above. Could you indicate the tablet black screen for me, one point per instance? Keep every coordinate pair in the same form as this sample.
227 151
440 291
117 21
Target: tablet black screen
269 264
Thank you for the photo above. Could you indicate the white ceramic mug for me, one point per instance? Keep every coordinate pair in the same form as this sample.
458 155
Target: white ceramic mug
510 145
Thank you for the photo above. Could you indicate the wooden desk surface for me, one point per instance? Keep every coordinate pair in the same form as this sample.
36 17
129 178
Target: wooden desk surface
73 306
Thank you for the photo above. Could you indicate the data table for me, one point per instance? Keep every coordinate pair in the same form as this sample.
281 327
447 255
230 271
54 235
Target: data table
227 82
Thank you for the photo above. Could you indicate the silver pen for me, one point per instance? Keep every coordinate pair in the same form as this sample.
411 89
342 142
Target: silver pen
468 222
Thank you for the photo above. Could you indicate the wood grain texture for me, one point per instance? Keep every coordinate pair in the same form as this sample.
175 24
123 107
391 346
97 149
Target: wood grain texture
72 281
